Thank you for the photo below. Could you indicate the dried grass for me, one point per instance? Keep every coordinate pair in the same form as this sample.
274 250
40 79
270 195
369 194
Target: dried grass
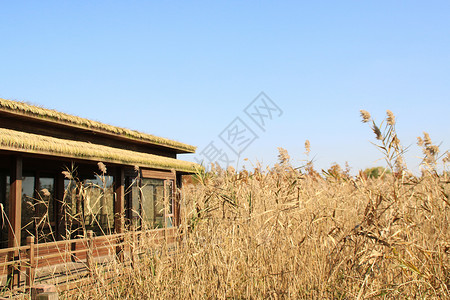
33 143
287 233
55 116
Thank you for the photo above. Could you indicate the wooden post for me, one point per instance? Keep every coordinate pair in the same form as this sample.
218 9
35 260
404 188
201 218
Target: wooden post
90 251
133 245
31 267
119 209
15 217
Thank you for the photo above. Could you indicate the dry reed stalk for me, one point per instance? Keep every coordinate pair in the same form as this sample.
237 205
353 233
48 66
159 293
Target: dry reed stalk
289 233
266 234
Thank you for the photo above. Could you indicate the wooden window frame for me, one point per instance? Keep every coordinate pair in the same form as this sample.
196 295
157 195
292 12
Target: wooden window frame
168 198
157 174
166 176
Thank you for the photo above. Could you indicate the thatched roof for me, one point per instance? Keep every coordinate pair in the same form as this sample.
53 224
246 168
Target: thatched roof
12 140
20 108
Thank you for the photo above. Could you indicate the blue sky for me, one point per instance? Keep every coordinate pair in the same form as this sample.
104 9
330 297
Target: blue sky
186 69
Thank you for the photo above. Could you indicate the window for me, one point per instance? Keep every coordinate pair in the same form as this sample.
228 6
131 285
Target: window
152 202
98 195
157 203
90 205
133 202
169 196
38 212
45 199
4 201
28 207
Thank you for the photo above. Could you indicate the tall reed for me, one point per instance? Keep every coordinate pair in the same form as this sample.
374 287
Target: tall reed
289 232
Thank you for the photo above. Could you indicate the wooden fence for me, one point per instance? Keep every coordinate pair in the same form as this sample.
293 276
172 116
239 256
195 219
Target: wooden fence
23 261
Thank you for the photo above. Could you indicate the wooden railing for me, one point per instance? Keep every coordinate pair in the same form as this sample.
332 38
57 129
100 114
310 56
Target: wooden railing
25 260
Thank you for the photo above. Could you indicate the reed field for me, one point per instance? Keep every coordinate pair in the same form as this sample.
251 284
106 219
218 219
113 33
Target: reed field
294 232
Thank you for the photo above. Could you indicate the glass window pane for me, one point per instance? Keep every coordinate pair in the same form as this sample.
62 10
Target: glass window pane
69 195
169 202
90 204
4 201
44 210
74 208
153 202
98 200
28 207
46 194
135 206
169 221
169 195
159 205
148 213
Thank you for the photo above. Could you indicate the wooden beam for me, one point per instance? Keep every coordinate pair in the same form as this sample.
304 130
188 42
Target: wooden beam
15 203
160 174
119 208
15 218
119 204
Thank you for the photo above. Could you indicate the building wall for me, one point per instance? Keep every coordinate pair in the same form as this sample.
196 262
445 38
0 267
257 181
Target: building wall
61 199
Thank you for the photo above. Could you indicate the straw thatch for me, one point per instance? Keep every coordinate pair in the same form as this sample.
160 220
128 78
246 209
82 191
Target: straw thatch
58 117
37 144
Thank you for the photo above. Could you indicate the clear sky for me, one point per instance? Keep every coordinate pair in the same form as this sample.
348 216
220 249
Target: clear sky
186 69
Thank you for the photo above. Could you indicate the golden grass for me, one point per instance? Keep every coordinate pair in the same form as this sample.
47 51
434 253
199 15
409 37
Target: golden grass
290 233
55 116
33 143
283 234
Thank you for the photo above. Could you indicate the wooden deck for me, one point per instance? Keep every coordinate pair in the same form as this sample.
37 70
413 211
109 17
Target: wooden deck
67 264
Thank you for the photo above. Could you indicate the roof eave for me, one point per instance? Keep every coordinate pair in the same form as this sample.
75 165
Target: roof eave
20 109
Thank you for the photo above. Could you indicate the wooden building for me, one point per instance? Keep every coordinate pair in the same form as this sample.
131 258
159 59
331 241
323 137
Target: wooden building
62 175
